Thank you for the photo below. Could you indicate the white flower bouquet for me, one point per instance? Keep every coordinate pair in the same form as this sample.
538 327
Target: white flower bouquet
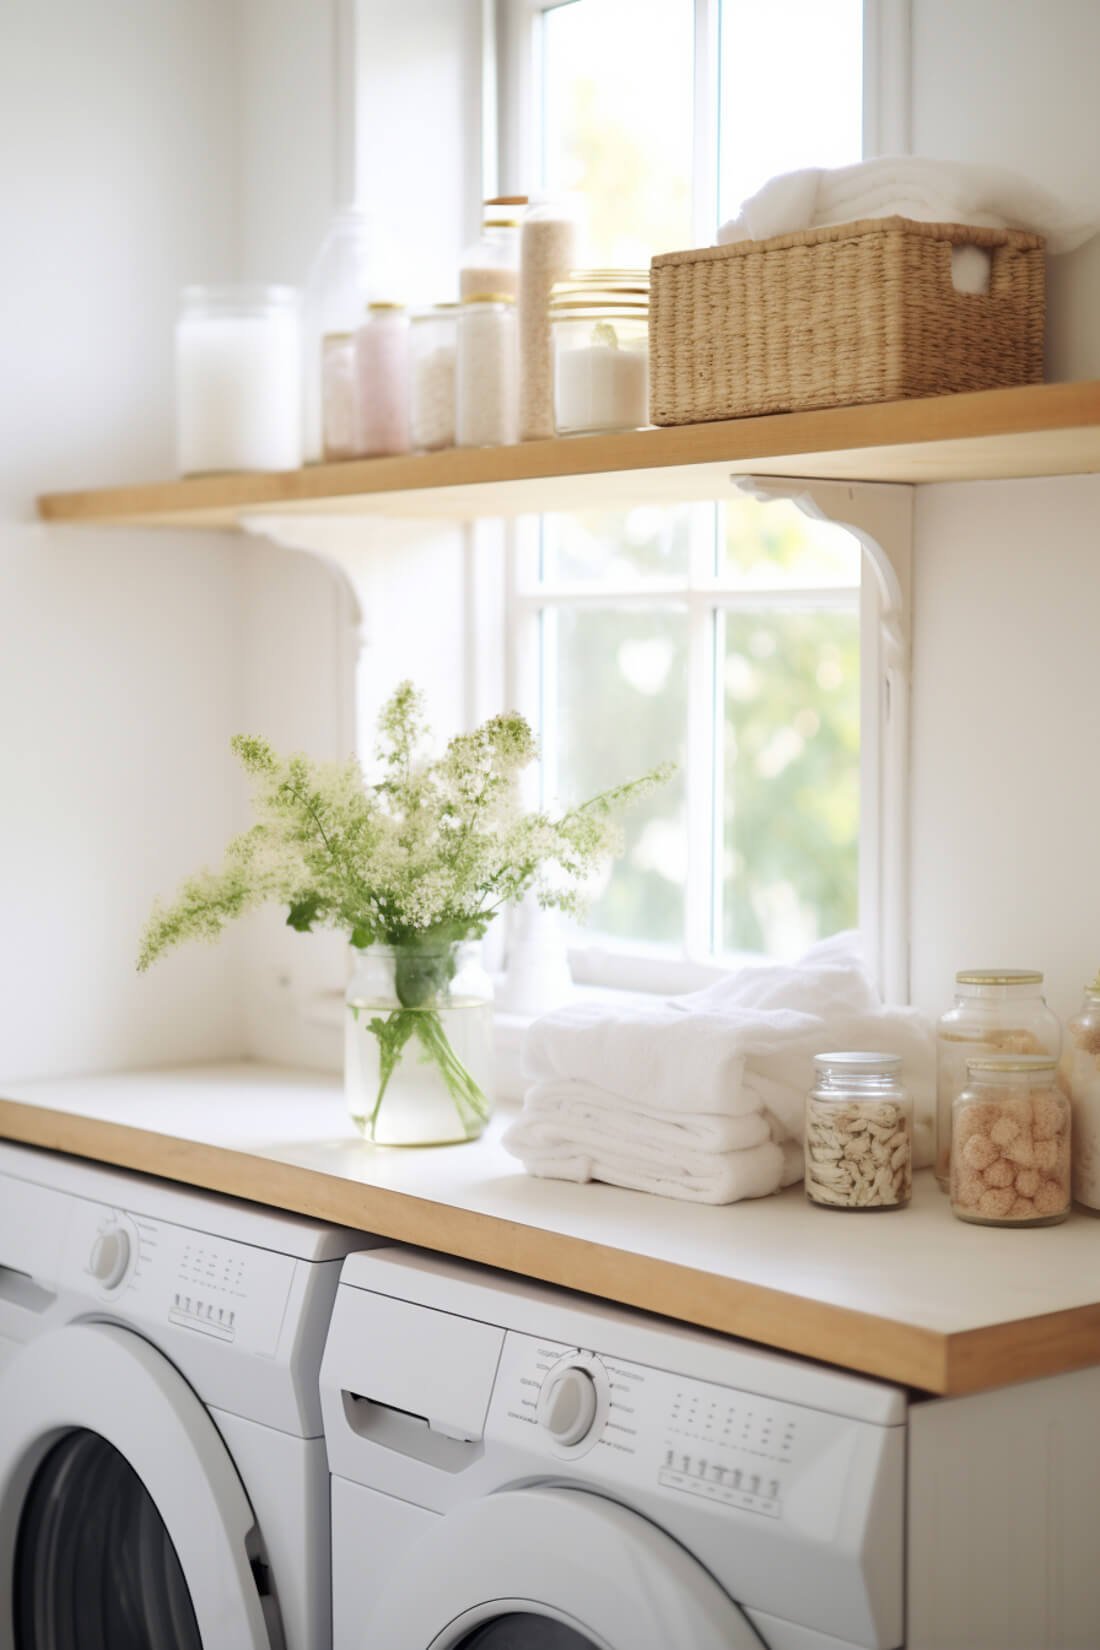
419 858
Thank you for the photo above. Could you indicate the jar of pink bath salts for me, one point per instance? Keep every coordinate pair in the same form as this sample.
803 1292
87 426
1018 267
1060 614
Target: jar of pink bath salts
1010 1143
382 369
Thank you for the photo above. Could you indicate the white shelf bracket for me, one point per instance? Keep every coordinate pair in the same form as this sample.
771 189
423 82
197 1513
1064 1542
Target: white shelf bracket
378 561
880 515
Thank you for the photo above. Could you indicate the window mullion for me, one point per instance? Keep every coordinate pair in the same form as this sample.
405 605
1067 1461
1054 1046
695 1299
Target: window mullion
700 737
707 108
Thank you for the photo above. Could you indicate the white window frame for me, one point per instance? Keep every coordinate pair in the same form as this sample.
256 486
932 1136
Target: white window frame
879 514
513 117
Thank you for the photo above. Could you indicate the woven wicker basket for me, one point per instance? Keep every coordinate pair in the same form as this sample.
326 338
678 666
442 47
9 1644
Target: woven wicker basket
829 317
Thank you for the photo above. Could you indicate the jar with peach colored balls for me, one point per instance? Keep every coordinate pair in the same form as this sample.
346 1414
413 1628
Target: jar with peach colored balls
997 1011
1010 1143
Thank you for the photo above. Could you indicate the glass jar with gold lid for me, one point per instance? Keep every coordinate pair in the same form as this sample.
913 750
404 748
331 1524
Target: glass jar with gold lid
1080 1074
491 264
998 1011
1010 1144
600 326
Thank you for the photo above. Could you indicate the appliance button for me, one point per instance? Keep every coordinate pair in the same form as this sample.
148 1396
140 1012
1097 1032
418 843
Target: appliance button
110 1256
567 1408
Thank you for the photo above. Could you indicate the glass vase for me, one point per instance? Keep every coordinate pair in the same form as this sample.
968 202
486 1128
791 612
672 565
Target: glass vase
418 1062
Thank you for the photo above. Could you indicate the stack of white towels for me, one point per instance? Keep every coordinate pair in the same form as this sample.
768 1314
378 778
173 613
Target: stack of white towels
701 1097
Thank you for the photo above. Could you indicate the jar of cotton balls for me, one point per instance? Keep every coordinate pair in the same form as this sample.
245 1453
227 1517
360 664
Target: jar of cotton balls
859 1133
1010 1143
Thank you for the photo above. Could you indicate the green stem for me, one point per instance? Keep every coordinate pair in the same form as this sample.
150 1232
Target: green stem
395 1031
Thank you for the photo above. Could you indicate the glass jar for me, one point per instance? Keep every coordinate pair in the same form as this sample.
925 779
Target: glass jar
492 263
997 1011
238 379
485 382
1080 1073
336 291
1010 1143
382 381
419 1044
547 252
859 1133
338 395
600 329
432 394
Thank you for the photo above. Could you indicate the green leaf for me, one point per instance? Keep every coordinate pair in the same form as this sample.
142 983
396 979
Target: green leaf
303 913
361 937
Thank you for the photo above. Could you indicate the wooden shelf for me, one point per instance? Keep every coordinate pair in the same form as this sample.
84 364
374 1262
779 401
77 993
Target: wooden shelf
1036 430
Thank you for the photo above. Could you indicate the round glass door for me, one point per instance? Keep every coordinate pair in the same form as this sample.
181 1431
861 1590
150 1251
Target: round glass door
95 1568
520 1630
123 1522
548 1568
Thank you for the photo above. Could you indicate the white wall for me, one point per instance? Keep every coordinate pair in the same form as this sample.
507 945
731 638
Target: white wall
1006 688
1013 83
117 670
1006 753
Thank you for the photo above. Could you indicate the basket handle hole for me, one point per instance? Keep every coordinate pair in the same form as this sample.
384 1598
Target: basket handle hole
971 268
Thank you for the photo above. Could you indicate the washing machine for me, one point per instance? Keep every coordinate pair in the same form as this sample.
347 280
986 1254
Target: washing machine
518 1468
163 1481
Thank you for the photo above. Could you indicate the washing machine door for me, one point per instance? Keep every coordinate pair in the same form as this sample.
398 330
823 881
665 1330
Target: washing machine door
123 1523
553 1569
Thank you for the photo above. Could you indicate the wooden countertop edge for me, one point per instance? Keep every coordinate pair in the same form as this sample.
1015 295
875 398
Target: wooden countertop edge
925 1359
854 1340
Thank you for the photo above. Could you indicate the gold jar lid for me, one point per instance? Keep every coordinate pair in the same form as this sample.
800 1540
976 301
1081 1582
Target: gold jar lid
590 312
383 304
610 281
999 976
336 338
489 298
992 1063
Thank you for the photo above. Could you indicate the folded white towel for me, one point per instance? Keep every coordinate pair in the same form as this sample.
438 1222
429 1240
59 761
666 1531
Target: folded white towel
568 1138
673 1091
911 186
603 1120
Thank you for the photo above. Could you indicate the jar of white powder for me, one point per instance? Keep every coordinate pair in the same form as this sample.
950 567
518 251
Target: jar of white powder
238 379
485 399
600 327
382 381
547 252
434 347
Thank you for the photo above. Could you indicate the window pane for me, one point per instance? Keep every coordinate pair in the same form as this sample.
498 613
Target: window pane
621 546
792 90
619 703
791 791
774 546
617 122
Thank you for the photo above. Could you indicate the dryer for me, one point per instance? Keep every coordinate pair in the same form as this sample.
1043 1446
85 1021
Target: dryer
163 1480
517 1468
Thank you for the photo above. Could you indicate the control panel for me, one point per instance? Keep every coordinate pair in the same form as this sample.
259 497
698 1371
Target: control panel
651 1428
158 1273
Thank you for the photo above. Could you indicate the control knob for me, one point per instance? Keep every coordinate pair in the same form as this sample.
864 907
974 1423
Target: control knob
110 1256
567 1405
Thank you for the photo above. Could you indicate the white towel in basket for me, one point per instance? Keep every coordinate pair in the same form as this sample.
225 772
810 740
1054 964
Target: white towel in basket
910 186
